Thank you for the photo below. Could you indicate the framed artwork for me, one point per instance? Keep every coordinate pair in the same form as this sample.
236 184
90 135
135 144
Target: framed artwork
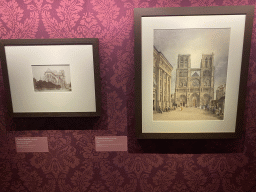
191 67
51 77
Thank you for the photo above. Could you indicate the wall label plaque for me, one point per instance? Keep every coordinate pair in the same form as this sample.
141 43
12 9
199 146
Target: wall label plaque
111 143
31 144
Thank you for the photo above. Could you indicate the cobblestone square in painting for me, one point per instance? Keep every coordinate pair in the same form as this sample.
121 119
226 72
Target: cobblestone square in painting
189 113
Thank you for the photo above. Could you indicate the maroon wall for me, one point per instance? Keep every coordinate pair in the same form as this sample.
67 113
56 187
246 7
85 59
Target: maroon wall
72 163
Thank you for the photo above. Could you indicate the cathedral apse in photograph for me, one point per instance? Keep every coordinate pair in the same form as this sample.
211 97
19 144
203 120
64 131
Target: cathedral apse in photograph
51 78
190 72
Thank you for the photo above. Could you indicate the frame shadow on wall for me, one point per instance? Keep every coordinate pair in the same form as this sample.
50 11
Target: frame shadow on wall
183 146
54 123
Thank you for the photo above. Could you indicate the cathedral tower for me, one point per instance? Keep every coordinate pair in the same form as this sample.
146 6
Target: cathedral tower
194 86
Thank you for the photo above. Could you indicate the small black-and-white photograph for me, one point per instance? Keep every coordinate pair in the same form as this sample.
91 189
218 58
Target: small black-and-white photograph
51 78
190 73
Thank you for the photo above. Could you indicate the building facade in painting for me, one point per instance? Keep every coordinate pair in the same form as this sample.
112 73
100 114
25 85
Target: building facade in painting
162 71
221 91
220 97
194 87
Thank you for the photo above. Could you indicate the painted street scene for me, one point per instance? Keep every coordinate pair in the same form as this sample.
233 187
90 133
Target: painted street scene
190 72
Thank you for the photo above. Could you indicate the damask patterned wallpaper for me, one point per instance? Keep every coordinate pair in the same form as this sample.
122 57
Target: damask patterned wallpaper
72 163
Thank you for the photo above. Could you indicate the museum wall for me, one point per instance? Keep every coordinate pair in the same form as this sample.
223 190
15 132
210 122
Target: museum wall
72 163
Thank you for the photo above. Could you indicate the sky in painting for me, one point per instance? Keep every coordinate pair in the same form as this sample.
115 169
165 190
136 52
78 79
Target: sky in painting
171 42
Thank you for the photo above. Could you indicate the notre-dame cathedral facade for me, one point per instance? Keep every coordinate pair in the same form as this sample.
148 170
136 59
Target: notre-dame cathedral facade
194 86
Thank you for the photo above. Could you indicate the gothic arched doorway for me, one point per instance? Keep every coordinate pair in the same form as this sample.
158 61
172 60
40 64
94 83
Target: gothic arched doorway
194 100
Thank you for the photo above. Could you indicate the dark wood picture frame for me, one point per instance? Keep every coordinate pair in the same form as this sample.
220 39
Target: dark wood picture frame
146 128
68 103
